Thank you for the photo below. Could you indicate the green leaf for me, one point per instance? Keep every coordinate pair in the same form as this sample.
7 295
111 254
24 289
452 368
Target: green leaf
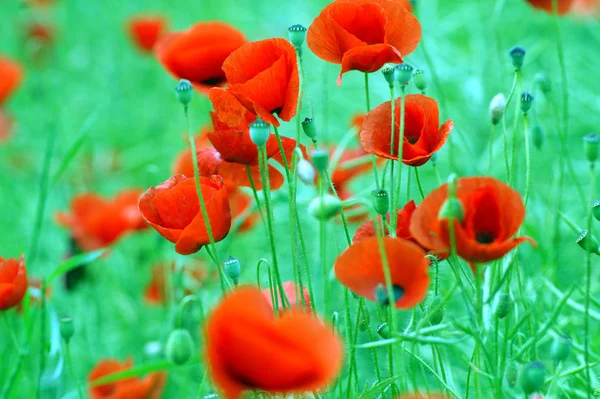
73 262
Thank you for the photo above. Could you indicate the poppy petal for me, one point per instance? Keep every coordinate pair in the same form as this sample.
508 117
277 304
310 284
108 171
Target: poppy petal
368 59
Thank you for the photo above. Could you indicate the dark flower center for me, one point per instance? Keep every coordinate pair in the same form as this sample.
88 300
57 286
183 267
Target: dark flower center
484 237
381 294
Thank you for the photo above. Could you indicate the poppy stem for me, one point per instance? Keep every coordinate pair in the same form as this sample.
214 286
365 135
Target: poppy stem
373 161
72 370
400 152
10 330
323 250
255 193
588 284
513 164
491 149
391 162
527 159
504 128
43 340
418 183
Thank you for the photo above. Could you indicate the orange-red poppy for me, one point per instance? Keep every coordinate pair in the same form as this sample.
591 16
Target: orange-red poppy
173 209
149 387
197 54
564 6
493 213
13 282
249 348
96 222
367 229
360 268
364 35
193 275
6 126
422 134
263 79
12 74
289 288
146 30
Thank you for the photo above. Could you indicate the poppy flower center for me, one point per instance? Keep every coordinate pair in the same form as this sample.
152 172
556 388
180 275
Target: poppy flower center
381 293
484 237
414 121
483 219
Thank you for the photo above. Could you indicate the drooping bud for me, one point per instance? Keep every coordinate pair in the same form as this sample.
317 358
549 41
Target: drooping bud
306 172
517 56
511 374
404 74
419 79
259 132
389 73
532 377
497 106
383 330
538 136
544 83
596 209
381 201
184 91
591 146
588 242
526 102
180 346
324 208
310 128
320 158
561 348
504 305
232 269
67 329
436 316
297 35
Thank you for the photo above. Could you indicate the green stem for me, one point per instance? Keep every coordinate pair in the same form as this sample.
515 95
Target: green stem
72 370
42 337
504 128
400 153
255 194
323 252
391 162
10 330
419 183
527 159
513 167
373 160
588 284
490 149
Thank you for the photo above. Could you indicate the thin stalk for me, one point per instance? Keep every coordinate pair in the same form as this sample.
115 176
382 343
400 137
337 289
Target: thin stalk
527 158
588 284
255 193
491 149
513 167
323 251
504 128
10 331
393 201
373 161
42 338
72 370
419 183
400 153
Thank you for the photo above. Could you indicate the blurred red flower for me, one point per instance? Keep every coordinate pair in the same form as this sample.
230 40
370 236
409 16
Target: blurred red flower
367 229
263 79
42 32
194 276
146 30
364 35
149 387
12 74
197 54
493 212
422 136
96 222
6 126
248 348
289 288
173 209
564 6
13 282
360 268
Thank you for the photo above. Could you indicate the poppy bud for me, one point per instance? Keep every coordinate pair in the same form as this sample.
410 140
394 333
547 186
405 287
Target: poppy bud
517 56
537 136
497 108
591 142
306 172
511 374
526 101
503 305
180 346
184 91
310 128
381 201
297 35
588 242
383 330
596 210
437 317
67 329
452 208
232 269
543 82
404 74
419 79
324 208
364 321
561 348
259 132
532 377
320 159
389 73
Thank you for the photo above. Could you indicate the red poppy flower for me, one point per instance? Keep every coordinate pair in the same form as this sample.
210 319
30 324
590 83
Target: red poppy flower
96 222
12 74
493 212
149 387
156 290
13 282
360 269
289 288
6 126
146 30
367 230
198 53
422 137
364 35
263 79
248 348
173 209
564 6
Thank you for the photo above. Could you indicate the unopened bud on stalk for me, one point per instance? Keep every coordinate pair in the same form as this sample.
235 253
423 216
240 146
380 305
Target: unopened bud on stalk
436 315
259 132
588 242
532 377
232 269
67 329
504 305
526 102
419 79
320 158
497 106
561 348
591 146
538 136
383 330
517 56
381 201
403 74
544 83
389 73
297 35
310 128
324 208
184 91
306 172
180 346
596 209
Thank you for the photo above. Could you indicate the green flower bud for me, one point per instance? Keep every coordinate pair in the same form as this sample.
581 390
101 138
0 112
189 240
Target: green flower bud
297 35
526 102
383 330
438 315
180 346
325 208
305 171
67 329
184 91
532 377
538 136
511 374
259 132
419 79
504 305
497 108
310 128
561 348
544 83
452 208
320 158
404 74
389 73
591 144
381 201
232 269
596 209
517 56
588 242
